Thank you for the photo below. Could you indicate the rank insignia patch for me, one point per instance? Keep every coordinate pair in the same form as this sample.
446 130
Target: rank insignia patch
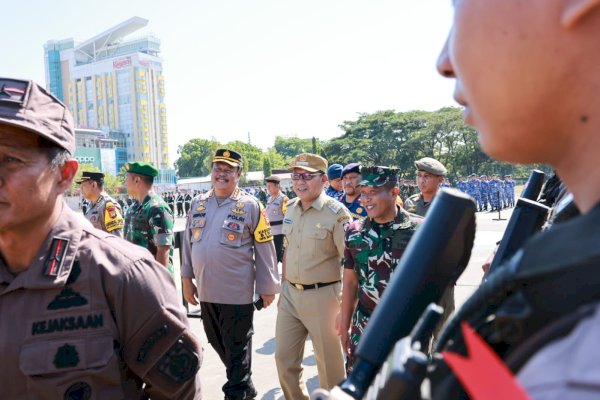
67 298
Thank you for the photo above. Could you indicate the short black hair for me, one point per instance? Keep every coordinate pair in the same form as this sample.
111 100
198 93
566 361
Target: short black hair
56 155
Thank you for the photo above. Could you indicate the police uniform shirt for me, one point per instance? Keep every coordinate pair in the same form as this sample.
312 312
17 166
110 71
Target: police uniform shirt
315 240
227 247
276 207
106 214
89 315
416 205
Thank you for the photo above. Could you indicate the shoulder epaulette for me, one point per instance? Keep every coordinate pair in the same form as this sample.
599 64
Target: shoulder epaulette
333 205
292 201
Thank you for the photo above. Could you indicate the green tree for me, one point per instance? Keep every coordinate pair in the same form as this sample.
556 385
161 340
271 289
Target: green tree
252 155
266 166
290 147
195 157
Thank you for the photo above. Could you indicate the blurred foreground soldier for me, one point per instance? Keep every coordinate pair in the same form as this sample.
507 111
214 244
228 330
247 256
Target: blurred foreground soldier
530 106
103 212
228 249
351 196
276 207
430 175
85 314
373 247
334 175
149 222
311 275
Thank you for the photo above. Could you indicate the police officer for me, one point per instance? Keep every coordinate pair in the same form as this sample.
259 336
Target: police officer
148 222
334 176
187 202
103 212
179 199
311 275
373 247
71 325
430 174
276 207
228 250
351 196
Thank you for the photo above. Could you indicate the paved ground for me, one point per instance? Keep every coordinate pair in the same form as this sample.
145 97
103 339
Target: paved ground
489 231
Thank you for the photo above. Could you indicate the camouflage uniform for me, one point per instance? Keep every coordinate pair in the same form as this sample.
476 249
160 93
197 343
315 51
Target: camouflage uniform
150 224
373 250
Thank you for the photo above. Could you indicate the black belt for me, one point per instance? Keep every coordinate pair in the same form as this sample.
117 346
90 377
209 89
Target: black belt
275 223
317 285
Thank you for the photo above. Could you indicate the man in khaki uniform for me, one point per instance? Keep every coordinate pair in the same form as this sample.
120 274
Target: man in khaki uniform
228 249
85 315
311 289
104 212
430 175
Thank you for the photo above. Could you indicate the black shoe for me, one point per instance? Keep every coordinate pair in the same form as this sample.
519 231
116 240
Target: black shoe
251 393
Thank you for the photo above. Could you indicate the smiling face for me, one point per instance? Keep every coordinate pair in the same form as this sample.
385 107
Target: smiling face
380 202
28 185
508 58
224 178
308 190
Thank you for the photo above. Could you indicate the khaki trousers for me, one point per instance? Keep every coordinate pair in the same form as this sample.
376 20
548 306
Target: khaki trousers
301 313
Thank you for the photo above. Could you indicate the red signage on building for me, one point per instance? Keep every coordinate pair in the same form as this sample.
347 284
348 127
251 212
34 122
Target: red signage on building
122 63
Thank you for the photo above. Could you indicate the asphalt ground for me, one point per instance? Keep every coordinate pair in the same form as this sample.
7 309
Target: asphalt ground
264 373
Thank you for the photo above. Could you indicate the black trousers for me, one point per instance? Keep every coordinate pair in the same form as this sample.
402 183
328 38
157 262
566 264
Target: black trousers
179 209
229 330
278 242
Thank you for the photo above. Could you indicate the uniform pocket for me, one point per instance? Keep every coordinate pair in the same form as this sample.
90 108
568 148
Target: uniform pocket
231 233
196 229
59 368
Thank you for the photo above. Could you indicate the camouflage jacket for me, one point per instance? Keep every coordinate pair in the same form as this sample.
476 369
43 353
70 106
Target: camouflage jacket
373 250
150 224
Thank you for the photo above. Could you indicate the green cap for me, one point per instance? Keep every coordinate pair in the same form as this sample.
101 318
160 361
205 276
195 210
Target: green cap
141 168
378 176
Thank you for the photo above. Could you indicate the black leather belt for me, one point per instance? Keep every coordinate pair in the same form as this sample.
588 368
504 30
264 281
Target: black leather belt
275 223
317 285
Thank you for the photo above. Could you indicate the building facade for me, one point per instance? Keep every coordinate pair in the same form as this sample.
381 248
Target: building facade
114 82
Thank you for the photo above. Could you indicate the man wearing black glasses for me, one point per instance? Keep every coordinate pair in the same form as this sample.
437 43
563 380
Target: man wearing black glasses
311 289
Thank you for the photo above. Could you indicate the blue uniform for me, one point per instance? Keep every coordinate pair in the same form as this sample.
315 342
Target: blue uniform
354 207
485 193
474 190
495 196
335 194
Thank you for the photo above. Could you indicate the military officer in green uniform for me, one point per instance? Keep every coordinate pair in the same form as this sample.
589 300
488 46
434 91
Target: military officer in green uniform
430 175
149 221
373 247
104 212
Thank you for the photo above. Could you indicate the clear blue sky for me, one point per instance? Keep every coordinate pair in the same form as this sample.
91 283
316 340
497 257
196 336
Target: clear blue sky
268 67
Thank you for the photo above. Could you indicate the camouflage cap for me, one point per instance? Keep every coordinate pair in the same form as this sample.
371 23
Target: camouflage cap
309 162
431 165
27 105
378 176
141 168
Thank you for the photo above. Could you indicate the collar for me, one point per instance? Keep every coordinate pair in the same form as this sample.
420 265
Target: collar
320 201
65 235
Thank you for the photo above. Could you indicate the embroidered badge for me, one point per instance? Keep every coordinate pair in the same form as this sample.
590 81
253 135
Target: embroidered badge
55 259
66 356
197 233
231 237
180 363
78 391
67 298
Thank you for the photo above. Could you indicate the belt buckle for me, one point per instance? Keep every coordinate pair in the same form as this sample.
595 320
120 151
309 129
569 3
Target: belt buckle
298 286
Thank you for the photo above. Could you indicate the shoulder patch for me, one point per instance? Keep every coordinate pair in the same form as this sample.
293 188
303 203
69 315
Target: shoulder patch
344 218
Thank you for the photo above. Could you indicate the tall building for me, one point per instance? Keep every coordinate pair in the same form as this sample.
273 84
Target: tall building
114 82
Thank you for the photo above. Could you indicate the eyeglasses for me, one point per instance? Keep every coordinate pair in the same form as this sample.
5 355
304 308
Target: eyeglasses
307 176
224 171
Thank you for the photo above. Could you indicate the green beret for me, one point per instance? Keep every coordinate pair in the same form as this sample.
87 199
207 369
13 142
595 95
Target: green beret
141 168
378 176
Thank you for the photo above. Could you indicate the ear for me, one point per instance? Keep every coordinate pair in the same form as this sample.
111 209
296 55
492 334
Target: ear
67 174
395 191
575 10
